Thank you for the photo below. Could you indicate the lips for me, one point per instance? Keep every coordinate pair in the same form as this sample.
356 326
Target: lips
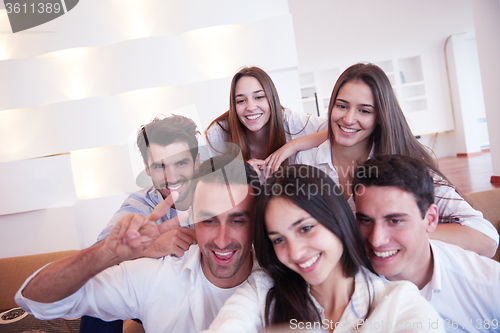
385 254
349 130
310 262
254 116
223 258
176 186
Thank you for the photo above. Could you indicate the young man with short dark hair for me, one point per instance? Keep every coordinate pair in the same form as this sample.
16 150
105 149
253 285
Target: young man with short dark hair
167 294
396 213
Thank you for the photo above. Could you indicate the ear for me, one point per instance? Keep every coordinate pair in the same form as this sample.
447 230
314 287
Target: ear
148 172
197 162
431 218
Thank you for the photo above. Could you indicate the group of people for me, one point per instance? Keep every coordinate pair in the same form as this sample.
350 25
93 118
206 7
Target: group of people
274 219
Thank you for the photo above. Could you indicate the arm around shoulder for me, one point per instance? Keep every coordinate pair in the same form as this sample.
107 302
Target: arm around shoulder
471 231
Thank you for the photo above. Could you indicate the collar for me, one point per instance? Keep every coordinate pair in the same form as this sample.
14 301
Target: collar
435 284
192 265
324 154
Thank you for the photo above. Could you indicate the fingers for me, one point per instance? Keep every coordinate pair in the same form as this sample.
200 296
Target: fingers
187 235
184 238
163 207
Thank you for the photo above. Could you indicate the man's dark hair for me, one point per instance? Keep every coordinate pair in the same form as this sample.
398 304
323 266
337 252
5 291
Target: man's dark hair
164 131
226 169
406 173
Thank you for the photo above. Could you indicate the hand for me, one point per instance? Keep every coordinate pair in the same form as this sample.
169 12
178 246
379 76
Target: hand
174 242
274 160
258 165
134 233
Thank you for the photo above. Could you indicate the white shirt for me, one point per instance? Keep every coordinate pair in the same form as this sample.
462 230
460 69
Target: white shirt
296 124
393 305
166 294
446 199
465 288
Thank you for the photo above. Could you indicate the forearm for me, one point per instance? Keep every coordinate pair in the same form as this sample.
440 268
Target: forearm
465 237
64 277
309 141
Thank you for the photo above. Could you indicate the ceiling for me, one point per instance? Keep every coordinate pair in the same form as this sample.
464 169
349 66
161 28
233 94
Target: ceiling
326 28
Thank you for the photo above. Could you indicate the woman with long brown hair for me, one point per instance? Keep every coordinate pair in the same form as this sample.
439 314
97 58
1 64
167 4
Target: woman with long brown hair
367 121
315 270
257 122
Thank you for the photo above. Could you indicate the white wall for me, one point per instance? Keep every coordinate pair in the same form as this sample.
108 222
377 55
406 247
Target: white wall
467 94
336 34
75 90
487 24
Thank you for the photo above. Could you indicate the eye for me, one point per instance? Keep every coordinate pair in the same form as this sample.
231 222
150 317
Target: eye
260 97
238 221
365 111
207 222
341 106
182 163
364 221
239 101
395 221
277 241
306 228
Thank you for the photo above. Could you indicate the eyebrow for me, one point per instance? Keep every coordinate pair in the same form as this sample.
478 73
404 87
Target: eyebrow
344 101
388 216
293 225
206 214
393 215
185 160
255 92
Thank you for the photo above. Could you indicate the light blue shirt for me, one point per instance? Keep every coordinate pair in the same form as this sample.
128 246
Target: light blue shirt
141 202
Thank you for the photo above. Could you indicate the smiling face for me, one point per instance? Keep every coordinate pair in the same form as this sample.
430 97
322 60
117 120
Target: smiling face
353 117
171 168
224 231
395 234
302 243
252 106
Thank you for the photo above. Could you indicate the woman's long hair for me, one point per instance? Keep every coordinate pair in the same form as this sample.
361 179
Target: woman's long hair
392 135
236 131
313 191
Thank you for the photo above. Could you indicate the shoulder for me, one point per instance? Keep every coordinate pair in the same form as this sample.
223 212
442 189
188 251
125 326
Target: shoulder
466 264
399 303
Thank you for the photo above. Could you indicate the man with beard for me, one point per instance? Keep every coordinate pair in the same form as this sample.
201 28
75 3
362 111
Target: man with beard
170 294
169 148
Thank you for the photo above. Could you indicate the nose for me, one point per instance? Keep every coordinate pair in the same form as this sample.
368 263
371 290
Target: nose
296 250
251 104
378 236
170 175
350 117
222 239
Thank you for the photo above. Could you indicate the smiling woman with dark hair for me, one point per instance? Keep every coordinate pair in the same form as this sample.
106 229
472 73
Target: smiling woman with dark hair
257 122
367 121
315 271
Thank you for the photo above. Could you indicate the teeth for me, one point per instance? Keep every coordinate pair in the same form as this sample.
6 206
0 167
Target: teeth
223 254
175 187
254 116
309 262
348 130
385 254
